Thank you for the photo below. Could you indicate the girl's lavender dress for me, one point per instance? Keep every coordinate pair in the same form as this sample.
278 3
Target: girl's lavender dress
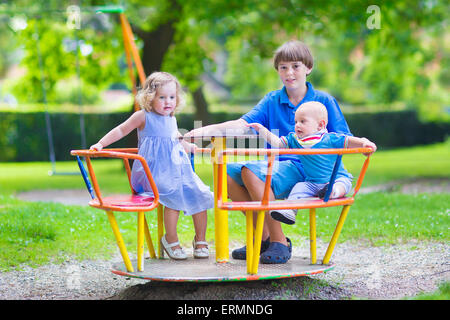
178 186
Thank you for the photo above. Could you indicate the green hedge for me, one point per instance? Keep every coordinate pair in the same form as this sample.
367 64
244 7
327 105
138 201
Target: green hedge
24 135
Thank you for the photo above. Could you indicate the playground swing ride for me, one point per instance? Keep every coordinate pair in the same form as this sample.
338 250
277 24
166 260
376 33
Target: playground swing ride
219 266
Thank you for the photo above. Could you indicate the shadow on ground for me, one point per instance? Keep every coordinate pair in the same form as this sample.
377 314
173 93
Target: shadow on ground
280 289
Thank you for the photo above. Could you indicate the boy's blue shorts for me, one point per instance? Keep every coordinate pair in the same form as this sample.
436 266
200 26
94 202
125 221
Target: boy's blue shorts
285 175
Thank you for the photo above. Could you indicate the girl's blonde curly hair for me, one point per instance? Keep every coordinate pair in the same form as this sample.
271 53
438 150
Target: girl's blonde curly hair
156 80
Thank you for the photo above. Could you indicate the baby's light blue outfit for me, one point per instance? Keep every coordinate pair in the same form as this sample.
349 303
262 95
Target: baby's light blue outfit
318 168
178 185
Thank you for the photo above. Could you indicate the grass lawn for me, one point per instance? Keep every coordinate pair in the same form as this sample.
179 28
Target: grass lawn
443 293
38 233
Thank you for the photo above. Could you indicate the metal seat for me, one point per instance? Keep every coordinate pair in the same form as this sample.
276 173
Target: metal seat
125 203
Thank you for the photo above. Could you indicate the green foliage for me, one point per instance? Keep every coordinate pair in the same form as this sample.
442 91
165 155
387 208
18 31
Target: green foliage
71 91
402 61
25 135
185 57
401 128
249 75
100 52
8 55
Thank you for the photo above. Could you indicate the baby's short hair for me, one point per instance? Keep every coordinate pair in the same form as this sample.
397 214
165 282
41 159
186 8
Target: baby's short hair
293 50
315 109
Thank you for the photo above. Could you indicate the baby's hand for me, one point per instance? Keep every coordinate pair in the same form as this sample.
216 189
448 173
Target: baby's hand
369 144
256 126
96 147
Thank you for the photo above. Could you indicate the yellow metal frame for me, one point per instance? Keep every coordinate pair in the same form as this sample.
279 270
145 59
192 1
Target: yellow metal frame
220 216
312 235
142 233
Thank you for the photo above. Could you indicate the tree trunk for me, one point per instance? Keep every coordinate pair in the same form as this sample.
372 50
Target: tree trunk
201 107
156 44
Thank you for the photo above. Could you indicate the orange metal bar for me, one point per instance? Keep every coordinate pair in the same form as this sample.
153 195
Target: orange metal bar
130 38
286 204
265 198
260 152
111 153
109 205
220 216
126 150
361 176
203 150
283 204
126 43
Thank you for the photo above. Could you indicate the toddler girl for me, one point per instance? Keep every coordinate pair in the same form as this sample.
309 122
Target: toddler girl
159 143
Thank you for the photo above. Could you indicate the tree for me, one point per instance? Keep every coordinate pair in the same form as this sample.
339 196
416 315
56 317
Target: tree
362 58
170 42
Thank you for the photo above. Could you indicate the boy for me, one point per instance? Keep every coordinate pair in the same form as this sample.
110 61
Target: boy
293 62
310 132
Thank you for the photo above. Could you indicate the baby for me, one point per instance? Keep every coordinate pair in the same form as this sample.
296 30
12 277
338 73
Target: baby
310 132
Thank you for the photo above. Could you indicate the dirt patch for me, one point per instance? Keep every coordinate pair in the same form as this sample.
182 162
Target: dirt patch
361 271
69 196
412 186
388 272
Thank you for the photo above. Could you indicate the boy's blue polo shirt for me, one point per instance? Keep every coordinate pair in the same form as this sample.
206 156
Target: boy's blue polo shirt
277 113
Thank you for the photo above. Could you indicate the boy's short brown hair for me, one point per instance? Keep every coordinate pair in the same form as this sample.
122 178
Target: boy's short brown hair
293 50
